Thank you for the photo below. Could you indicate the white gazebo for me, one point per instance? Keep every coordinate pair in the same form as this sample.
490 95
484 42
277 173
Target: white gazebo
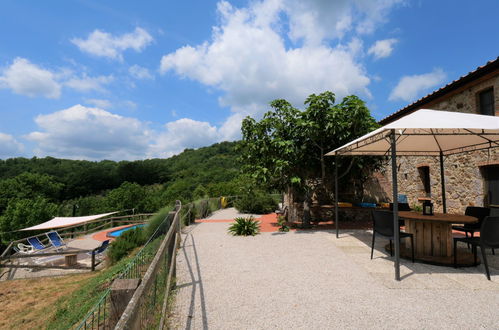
422 133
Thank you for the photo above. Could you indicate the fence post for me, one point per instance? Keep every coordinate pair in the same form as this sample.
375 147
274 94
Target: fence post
93 259
122 291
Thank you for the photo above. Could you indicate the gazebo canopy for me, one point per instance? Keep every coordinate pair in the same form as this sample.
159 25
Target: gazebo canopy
428 132
60 222
424 133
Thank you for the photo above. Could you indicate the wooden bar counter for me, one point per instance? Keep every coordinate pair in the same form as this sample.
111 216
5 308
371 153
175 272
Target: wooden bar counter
433 241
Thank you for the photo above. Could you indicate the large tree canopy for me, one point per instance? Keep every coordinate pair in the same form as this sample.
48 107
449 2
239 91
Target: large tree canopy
287 146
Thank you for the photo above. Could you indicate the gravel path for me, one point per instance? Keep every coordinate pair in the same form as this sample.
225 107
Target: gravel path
312 280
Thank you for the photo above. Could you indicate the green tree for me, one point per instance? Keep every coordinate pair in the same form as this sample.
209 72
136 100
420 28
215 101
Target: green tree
29 185
287 147
22 213
127 196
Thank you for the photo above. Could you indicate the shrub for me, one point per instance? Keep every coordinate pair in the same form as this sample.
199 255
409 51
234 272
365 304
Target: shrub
281 221
256 202
245 227
156 220
133 238
125 243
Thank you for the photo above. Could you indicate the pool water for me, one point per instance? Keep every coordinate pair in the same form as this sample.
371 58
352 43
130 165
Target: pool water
116 233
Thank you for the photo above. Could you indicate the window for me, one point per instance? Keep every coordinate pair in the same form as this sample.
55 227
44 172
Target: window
424 173
486 102
491 176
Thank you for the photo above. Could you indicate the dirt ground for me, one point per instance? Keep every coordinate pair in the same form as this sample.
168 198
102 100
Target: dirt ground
29 303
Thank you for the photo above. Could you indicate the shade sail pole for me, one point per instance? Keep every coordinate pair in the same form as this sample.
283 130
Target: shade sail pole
336 193
442 178
396 228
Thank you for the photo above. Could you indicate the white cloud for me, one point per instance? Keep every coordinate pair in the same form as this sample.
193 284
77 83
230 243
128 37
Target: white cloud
410 87
99 103
249 59
139 72
184 133
81 132
382 48
87 84
9 146
26 78
104 44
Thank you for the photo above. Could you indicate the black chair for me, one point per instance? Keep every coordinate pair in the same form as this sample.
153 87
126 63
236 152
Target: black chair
402 207
383 225
489 238
477 212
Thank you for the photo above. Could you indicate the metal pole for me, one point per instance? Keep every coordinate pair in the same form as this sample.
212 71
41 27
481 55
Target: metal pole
336 194
442 177
396 228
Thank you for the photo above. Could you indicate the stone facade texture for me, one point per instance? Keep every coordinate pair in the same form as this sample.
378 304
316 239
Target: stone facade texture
464 180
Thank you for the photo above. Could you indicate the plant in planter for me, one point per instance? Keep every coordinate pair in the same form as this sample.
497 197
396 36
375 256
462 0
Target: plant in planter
281 221
244 227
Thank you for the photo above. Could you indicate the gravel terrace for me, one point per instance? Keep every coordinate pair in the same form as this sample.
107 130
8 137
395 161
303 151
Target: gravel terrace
311 280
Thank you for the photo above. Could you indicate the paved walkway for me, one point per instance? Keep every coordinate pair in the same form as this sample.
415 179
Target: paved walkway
311 280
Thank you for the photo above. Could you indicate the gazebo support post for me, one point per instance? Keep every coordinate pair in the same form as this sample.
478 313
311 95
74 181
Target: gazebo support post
442 178
396 229
336 194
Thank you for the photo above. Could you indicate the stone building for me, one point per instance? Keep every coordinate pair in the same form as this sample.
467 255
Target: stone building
470 178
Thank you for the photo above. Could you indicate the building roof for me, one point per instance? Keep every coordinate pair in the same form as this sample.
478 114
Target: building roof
479 72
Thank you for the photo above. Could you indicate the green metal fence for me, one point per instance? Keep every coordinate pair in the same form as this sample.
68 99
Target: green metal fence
147 307
99 316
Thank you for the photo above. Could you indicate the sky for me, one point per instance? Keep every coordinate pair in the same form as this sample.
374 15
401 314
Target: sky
126 80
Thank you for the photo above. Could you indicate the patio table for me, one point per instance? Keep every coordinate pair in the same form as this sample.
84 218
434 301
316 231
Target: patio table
433 242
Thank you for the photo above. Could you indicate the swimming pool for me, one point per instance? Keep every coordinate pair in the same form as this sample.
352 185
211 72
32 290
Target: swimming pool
116 233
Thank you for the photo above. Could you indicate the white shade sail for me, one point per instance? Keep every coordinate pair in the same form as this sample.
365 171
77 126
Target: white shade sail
428 132
60 222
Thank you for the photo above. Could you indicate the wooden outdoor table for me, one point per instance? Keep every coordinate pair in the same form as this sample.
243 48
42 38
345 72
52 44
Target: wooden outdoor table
433 241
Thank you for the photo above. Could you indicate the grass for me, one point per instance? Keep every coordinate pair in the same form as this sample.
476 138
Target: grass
70 309
61 302
29 303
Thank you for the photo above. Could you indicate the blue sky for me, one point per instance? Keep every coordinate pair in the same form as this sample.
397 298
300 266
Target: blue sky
134 80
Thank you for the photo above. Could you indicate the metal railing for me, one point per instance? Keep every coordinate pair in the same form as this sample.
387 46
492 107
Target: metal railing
101 316
156 268
147 307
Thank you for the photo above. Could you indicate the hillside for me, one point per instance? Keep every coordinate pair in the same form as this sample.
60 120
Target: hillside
34 190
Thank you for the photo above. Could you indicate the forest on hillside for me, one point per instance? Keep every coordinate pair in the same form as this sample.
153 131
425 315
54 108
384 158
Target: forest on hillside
34 190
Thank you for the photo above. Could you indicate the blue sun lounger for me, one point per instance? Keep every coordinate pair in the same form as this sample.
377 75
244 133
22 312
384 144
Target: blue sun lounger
100 249
36 243
56 240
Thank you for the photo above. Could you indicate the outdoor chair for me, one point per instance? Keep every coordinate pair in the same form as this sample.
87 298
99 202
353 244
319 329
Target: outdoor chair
477 212
402 207
24 248
100 249
56 240
489 238
36 243
383 226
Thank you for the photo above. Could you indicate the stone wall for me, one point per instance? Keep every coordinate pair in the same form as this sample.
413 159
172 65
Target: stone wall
463 178
464 181
466 99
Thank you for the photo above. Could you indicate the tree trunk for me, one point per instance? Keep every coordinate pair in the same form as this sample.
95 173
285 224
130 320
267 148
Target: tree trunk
306 209
323 168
